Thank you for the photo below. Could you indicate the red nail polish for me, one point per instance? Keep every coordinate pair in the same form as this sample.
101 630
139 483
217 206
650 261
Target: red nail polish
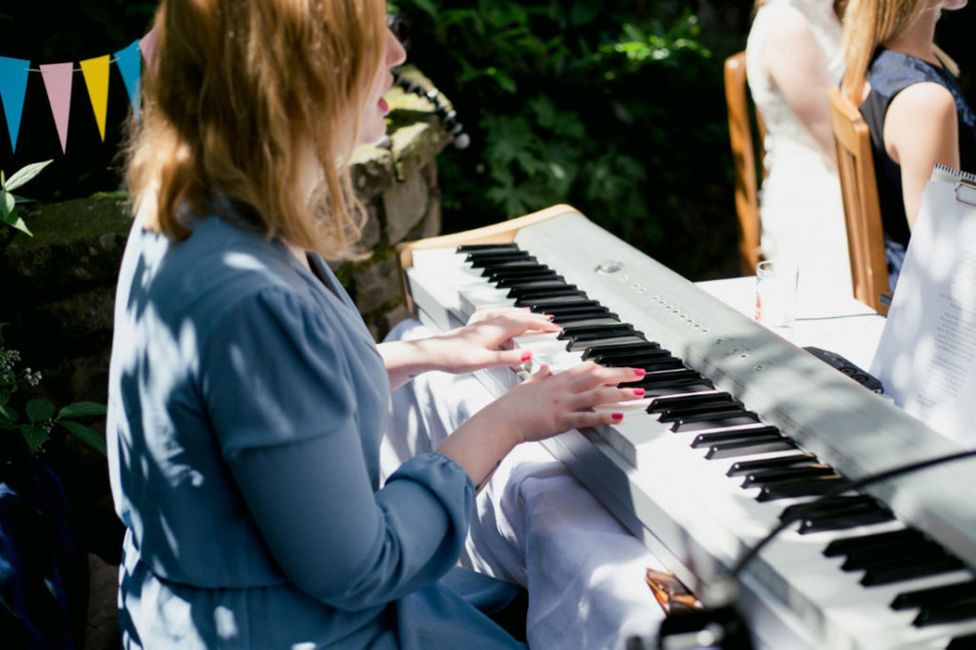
639 372
526 355
638 392
617 417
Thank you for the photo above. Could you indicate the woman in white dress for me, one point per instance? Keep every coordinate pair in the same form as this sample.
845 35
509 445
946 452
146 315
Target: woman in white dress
793 56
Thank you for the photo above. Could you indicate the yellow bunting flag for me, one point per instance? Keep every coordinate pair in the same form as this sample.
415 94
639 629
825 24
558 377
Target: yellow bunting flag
96 78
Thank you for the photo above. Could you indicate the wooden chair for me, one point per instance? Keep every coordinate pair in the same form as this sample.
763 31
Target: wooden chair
862 214
746 151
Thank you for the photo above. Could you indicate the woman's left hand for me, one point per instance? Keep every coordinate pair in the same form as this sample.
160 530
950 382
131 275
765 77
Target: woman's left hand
486 341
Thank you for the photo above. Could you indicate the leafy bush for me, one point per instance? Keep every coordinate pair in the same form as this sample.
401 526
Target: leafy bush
617 110
9 200
35 418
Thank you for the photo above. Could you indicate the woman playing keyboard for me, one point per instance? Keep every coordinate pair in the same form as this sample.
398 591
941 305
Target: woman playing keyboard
247 399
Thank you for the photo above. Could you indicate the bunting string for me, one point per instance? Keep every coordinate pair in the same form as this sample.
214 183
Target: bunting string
58 81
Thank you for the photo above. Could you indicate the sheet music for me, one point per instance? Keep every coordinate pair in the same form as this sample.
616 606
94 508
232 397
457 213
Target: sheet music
926 358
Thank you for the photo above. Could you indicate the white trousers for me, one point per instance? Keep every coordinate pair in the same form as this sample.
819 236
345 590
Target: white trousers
535 525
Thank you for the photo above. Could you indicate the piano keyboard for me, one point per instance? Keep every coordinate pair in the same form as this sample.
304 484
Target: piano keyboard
736 429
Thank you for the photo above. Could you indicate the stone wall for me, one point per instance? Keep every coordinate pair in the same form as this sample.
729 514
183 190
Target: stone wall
58 287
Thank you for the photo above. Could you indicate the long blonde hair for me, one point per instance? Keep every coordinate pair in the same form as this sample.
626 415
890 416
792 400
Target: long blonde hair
867 25
235 93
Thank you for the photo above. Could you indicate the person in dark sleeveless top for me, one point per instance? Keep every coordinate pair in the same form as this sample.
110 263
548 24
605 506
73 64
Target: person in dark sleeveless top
910 98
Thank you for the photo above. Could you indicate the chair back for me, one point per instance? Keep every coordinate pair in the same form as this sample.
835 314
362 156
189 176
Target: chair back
747 154
862 214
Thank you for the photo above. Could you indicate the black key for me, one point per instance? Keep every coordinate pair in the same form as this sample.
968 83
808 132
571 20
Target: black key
583 316
665 376
786 474
935 595
746 466
559 289
863 516
590 321
964 642
940 614
875 540
834 505
483 260
518 287
585 344
652 353
655 385
490 255
516 273
647 365
512 265
610 332
905 552
491 264
673 413
577 331
716 420
899 570
471 248
664 402
535 276
544 305
597 332
584 306
750 447
663 392
598 352
735 435
801 488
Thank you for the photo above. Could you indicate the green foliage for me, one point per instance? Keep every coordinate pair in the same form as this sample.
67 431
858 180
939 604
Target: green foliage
612 107
35 419
8 200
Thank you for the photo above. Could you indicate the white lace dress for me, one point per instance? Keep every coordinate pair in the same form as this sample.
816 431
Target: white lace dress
800 202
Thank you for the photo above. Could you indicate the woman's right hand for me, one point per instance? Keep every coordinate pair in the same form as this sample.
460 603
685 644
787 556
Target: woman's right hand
546 404
542 406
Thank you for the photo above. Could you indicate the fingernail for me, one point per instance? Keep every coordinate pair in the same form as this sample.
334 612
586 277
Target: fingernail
526 355
549 316
638 392
617 417
639 372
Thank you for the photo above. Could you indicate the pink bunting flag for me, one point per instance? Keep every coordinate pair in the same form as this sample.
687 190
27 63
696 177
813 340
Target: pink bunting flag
147 45
57 83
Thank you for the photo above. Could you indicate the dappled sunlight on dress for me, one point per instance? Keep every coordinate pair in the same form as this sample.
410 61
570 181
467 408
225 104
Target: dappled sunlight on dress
246 404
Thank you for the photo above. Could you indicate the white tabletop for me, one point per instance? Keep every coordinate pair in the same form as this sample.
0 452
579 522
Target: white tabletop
842 325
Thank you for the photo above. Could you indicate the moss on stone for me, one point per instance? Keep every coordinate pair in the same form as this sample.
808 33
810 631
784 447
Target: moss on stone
73 221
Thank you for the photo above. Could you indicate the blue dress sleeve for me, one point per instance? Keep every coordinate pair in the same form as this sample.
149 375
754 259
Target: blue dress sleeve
285 413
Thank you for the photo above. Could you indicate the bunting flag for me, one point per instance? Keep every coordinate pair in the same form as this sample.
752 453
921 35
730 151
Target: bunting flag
59 79
147 45
13 87
96 78
129 64
57 83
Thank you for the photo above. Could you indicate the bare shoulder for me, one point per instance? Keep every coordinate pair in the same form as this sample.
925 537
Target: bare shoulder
922 104
920 126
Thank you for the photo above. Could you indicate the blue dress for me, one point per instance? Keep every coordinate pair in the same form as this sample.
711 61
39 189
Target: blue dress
246 404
